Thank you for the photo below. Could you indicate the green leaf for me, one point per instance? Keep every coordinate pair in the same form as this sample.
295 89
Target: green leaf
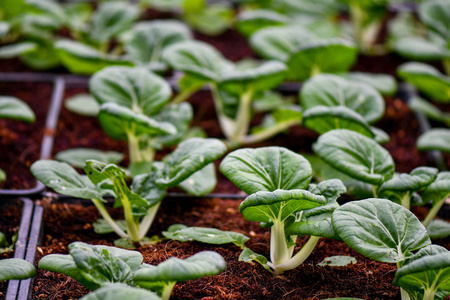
438 229
14 108
426 273
420 105
145 185
439 190
66 265
212 20
380 229
331 90
190 156
16 49
400 184
77 157
148 39
205 263
321 56
135 88
266 76
205 235
337 261
99 171
118 120
419 48
435 14
82 59
435 139
118 291
178 115
383 83
355 155
322 119
43 57
201 182
247 255
111 19
78 14
15 268
427 79
197 59
278 205
279 42
266 169
83 104
250 21
64 179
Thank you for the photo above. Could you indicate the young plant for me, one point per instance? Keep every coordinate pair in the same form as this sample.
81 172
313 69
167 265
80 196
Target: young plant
363 159
426 275
282 198
97 267
16 109
380 230
188 167
233 90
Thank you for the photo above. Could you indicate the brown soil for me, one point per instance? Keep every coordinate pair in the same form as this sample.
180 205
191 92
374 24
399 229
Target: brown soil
22 141
66 223
10 216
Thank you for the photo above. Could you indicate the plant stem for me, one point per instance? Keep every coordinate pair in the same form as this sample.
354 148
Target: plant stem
405 296
432 213
132 227
133 147
298 258
279 252
446 64
263 135
167 290
226 124
406 201
243 116
147 221
183 95
105 215
375 191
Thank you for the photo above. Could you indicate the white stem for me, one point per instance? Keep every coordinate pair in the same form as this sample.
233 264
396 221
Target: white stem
243 116
432 213
105 215
167 290
298 258
133 147
279 251
227 125
404 294
406 201
266 134
147 221
132 227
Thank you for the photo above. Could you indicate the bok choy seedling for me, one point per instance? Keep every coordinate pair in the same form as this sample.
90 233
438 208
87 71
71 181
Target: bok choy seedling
99 267
233 90
380 230
16 268
188 167
282 198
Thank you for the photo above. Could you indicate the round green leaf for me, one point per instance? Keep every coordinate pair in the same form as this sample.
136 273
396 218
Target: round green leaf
436 15
190 156
148 39
380 229
278 205
427 80
383 83
435 139
321 56
15 268
322 119
82 104
262 78
355 155
135 88
201 182
418 48
428 270
279 42
250 21
77 157
116 120
82 59
266 169
119 291
439 190
337 261
63 179
197 59
438 229
205 263
331 90
14 108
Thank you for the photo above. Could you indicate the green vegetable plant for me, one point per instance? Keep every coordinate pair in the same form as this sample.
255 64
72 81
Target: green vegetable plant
363 159
108 269
189 167
234 90
15 109
281 198
16 268
381 230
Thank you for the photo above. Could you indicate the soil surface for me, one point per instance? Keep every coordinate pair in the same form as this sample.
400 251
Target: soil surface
21 142
367 279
